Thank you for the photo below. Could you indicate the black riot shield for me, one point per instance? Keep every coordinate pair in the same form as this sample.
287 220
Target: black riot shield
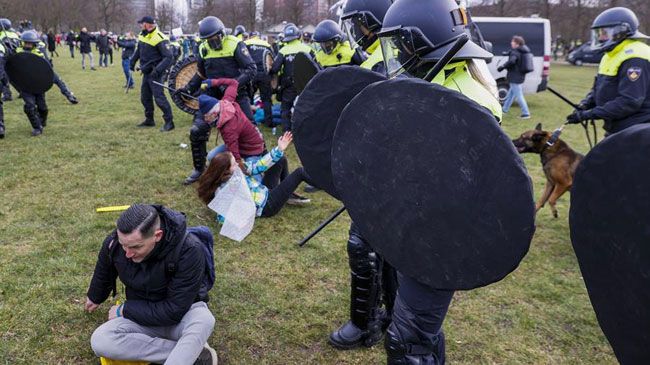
179 76
610 232
315 116
29 73
433 183
304 69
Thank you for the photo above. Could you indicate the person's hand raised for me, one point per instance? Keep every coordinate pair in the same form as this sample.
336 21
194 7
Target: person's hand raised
285 141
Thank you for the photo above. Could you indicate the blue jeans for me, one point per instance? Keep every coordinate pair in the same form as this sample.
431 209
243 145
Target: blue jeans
127 72
516 91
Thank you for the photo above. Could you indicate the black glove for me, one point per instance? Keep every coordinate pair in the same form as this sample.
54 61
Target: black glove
182 90
577 116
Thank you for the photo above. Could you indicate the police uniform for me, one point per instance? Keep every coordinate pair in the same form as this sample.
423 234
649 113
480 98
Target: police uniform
35 106
11 42
342 54
57 80
283 66
375 60
260 50
155 57
621 93
232 61
415 335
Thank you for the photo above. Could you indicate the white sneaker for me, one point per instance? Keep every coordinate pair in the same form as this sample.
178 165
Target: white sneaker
208 356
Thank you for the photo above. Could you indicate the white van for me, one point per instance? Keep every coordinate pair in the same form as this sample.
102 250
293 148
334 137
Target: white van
536 33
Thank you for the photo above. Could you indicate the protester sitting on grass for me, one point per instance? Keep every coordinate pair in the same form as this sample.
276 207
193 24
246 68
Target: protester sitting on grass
268 192
165 318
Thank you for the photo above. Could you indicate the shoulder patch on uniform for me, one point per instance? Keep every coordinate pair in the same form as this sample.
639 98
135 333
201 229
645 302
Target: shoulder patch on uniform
633 73
245 52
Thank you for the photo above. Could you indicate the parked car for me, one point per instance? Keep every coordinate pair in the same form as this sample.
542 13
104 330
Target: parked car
536 32
585 54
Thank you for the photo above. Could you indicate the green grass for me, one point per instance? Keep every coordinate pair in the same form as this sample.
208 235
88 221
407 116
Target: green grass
274 303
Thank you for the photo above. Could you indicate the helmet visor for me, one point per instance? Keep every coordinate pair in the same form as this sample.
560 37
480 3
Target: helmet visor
402 48
359 26
604 37
328 46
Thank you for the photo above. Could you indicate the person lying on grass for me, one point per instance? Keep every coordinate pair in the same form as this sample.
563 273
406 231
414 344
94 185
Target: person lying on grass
268 192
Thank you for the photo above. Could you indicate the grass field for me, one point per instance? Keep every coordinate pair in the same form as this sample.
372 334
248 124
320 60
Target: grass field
274 303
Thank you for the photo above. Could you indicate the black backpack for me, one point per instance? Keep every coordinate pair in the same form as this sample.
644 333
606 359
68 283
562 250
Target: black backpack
526 64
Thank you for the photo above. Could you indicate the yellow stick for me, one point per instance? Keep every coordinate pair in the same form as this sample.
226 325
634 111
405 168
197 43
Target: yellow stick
117 208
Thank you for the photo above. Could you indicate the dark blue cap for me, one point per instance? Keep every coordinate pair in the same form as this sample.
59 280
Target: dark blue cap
147 19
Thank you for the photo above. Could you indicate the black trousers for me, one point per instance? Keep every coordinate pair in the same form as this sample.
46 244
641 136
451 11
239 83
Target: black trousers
262 82
150 92
279 194
289 95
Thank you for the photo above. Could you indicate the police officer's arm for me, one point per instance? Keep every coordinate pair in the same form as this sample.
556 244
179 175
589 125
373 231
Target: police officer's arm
195 83
588 102
167 57
277 63
182 290
105 273
358 57
632 90
135 58
230 93
247 66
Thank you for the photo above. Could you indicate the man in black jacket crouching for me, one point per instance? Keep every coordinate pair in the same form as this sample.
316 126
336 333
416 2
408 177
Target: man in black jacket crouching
165 318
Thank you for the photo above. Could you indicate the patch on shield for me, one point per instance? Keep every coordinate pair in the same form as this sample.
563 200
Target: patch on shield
633 73
245 52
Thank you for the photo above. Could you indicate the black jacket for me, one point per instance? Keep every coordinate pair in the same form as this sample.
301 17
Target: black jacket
513 65
103 43
128 47
153 58
84 40
153 296
622 100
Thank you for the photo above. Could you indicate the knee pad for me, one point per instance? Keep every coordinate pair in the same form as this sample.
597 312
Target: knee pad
363 260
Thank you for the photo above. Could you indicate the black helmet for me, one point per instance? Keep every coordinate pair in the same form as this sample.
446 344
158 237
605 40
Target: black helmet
5 24
328 34
416 32
613 26
290 32
30 36
255 34
240 29
210 26
368 14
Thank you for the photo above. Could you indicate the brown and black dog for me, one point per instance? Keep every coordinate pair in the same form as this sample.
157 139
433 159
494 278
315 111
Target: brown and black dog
559 162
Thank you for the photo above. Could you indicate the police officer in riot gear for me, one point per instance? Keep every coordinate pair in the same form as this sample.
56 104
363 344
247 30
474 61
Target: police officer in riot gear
362 20
35 106
11 41
220 56
372 280
260 51
415 35
283 66
621 93
155 56
239 32
334 51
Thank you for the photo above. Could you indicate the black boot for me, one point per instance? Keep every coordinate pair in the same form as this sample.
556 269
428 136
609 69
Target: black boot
2 129
72 99
405 348
365 325
35 121
169 125
147 123
199 151
43 114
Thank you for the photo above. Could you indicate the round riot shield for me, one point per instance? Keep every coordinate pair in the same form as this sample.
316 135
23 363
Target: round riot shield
179 76
610 232
304 69
29 73
315 116
433 183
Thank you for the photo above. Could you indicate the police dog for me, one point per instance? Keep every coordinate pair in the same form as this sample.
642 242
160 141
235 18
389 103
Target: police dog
559 162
